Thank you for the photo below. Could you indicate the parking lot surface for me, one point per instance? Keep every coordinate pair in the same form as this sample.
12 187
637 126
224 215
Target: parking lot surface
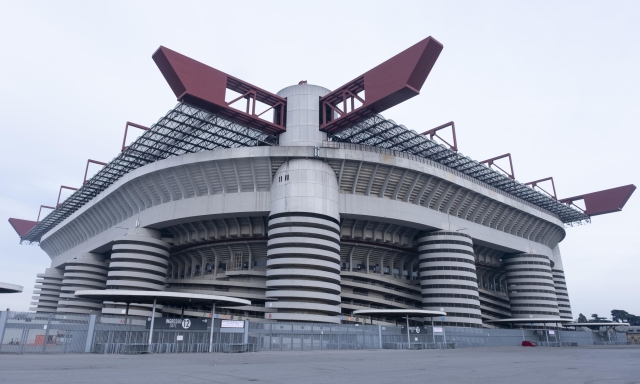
614 364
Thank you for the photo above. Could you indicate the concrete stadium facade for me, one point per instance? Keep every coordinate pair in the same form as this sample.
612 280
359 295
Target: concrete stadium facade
309 232
305 221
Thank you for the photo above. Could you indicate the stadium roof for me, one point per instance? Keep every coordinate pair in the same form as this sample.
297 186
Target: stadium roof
10 288
188 129
399 312
534 320
184 129
162 297
378 132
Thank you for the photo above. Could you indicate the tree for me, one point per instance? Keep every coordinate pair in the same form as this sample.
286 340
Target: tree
625 317
619 315
597 319
582 318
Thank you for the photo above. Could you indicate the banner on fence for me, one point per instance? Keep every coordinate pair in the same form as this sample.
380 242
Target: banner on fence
179 324
232 324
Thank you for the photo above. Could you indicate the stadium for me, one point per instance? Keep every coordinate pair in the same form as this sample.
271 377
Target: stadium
311 205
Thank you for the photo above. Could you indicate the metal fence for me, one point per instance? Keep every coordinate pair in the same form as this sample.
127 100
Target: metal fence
313 336
68 333
612 343
22 332
414 345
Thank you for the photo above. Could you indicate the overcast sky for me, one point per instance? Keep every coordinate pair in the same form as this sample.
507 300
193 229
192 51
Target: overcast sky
556 84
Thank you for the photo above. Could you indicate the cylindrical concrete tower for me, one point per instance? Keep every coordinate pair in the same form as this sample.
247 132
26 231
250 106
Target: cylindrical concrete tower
303 115
560 283
47 289
530 284
448 277
139 261
87 271
303 267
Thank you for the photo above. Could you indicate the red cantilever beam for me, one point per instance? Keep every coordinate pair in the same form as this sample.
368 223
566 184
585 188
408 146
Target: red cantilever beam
602 202
432 133
534 184
390 83
96 162
205 87
492 160
40 211
22 227
124 139
60 192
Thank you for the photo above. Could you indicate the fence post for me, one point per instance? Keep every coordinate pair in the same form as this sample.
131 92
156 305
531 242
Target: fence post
3 322
46 334
380 335
92 325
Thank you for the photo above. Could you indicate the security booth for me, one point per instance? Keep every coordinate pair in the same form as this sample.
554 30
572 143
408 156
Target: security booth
166 334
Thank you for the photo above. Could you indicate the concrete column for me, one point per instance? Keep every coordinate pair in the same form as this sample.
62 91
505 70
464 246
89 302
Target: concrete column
448 277
90 332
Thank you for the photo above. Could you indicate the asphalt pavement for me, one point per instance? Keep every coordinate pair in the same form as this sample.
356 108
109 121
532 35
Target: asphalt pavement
513 365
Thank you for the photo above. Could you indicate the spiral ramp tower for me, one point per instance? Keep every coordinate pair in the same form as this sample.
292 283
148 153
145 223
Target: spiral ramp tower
88 271
448 277
560 284
139 261
530 286
303 250
47 290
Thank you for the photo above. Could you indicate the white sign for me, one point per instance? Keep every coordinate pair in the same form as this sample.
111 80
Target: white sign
552 332
437 330
232 324
179 338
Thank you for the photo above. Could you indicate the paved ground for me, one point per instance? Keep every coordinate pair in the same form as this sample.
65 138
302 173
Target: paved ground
471 365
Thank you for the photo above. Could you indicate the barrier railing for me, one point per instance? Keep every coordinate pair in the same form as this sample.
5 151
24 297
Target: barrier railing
420 346
68 333
611 343
137 348
556 344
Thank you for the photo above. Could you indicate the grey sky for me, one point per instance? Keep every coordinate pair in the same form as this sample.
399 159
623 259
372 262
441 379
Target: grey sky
555 83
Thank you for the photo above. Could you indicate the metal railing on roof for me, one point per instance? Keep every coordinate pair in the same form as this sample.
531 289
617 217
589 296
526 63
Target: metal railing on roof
378 132
184 129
